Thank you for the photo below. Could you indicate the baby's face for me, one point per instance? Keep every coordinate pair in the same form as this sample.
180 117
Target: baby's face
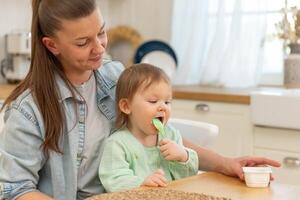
149 103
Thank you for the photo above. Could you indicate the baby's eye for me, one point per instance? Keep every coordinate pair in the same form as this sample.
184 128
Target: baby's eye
168 102
152 101
101 33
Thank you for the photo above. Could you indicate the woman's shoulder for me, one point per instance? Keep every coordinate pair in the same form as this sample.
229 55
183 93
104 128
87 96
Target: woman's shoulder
24 104
25 97
111 69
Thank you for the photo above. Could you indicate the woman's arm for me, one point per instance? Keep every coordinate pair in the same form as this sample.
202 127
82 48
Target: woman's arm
208 160
34 196
20 143
211 161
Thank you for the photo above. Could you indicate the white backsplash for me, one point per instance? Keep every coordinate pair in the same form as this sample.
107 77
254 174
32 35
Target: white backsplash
152 18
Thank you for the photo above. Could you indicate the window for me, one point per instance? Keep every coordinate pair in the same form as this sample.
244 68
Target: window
272 71
273 56
229 43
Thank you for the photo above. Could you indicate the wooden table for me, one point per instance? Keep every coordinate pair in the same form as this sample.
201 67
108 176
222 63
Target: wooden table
220 185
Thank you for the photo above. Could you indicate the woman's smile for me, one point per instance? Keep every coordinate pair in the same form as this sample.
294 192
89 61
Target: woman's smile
96 58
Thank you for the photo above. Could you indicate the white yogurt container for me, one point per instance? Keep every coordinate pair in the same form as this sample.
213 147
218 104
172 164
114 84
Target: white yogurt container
257 176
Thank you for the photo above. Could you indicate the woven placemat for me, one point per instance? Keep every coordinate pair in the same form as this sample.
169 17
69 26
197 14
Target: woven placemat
155 194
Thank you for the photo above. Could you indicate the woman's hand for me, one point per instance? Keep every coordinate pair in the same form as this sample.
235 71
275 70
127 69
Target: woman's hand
211 161
172 151
233 167
157 179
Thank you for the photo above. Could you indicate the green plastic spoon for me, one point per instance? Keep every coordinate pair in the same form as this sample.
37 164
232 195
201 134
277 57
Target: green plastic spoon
159 126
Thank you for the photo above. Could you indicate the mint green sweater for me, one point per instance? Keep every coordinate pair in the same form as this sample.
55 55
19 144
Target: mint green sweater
126 162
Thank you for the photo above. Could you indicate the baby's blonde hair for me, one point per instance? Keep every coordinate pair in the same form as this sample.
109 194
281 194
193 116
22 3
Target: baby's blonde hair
131 80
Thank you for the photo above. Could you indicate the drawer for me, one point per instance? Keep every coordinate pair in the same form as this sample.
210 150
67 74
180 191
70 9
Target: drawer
278 139
289 172
203 107
233 121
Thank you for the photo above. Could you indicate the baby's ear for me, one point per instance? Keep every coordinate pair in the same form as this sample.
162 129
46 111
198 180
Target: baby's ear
124 106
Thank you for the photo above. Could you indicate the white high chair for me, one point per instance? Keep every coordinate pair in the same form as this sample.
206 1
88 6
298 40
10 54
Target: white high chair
200 133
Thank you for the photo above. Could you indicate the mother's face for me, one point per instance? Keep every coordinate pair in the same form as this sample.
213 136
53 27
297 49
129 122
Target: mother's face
80 44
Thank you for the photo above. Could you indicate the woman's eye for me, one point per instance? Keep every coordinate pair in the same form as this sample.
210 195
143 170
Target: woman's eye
82 44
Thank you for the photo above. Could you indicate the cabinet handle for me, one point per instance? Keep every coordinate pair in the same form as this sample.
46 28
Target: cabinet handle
202 107
291 162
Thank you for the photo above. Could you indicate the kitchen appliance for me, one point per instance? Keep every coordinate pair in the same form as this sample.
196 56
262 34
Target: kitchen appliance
15 65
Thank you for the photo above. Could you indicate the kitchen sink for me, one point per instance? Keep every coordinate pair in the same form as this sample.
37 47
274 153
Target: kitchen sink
276 107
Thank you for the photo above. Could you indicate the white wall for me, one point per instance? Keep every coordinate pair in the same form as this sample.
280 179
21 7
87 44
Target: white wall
152 18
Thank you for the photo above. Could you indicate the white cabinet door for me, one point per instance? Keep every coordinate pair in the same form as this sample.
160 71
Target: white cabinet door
283 146
235 130
289 172
276 138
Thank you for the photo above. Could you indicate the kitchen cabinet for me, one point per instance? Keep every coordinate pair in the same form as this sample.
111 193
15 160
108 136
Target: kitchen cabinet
235 130
282 145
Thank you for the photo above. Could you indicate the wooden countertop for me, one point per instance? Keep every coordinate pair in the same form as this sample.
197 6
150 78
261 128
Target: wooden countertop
6 89
203 93
191 92
218 185
208 93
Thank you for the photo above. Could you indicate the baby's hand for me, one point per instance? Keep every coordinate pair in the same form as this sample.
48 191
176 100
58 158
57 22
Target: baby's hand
172 151
156 179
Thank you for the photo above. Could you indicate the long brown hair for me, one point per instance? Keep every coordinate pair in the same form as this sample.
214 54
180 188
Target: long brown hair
47 16
131 80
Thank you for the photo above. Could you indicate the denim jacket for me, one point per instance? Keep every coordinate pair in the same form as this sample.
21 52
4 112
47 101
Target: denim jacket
23 166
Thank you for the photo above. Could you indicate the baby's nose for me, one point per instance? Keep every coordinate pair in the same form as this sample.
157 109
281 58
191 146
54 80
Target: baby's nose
162 107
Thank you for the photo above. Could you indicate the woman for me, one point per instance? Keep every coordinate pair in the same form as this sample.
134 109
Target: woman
58 117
